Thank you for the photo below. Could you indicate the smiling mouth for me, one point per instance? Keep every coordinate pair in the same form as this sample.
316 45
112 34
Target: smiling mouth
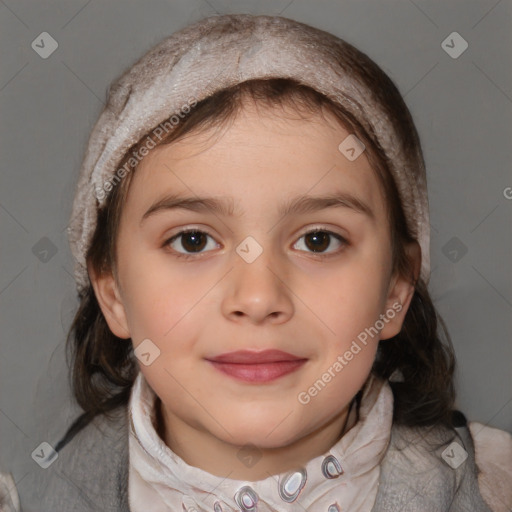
263 372
257 367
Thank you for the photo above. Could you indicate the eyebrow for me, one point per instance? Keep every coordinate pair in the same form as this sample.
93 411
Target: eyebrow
224 206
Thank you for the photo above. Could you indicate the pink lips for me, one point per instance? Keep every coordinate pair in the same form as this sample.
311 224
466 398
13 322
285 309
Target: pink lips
251 366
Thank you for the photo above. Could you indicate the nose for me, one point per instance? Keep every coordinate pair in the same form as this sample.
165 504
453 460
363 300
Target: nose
257 292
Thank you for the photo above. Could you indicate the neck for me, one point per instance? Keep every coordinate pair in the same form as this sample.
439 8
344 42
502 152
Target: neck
201 449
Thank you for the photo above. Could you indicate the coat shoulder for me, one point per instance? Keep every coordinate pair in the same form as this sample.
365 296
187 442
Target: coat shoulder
429 468
493 456
90 471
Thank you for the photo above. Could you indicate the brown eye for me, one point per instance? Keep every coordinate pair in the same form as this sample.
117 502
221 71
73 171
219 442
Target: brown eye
193 241
189 242
318 241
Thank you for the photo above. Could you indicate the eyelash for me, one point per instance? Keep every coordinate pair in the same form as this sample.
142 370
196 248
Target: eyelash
318 229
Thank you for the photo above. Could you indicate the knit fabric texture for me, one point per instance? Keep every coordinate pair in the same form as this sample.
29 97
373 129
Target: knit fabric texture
222 51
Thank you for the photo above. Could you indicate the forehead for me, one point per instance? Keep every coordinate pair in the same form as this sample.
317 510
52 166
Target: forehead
264 156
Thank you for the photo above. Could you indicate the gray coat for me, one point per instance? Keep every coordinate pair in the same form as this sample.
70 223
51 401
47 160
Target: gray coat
91 473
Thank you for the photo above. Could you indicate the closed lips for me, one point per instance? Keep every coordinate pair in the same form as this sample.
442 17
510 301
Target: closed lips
252 357
257 368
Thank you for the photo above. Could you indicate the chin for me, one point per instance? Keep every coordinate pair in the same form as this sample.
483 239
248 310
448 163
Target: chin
262 441
265 433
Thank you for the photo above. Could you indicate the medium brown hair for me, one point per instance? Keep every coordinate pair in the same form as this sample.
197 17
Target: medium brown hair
103 365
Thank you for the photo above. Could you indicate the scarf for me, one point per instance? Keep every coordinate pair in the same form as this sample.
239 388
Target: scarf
160 480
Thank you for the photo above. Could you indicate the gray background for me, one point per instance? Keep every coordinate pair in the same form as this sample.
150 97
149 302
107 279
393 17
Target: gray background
462 108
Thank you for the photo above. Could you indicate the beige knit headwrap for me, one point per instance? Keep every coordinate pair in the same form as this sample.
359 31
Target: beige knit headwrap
216 53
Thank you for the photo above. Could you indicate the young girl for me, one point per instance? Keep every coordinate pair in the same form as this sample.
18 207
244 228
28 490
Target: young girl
251 236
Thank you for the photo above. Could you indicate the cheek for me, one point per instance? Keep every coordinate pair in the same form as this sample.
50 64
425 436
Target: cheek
167 323
158 295
349 299
167 319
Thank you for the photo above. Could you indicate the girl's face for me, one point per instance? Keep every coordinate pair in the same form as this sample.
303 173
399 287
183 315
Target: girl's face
250 278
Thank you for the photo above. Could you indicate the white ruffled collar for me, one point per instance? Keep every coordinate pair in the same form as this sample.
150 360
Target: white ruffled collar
328 483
